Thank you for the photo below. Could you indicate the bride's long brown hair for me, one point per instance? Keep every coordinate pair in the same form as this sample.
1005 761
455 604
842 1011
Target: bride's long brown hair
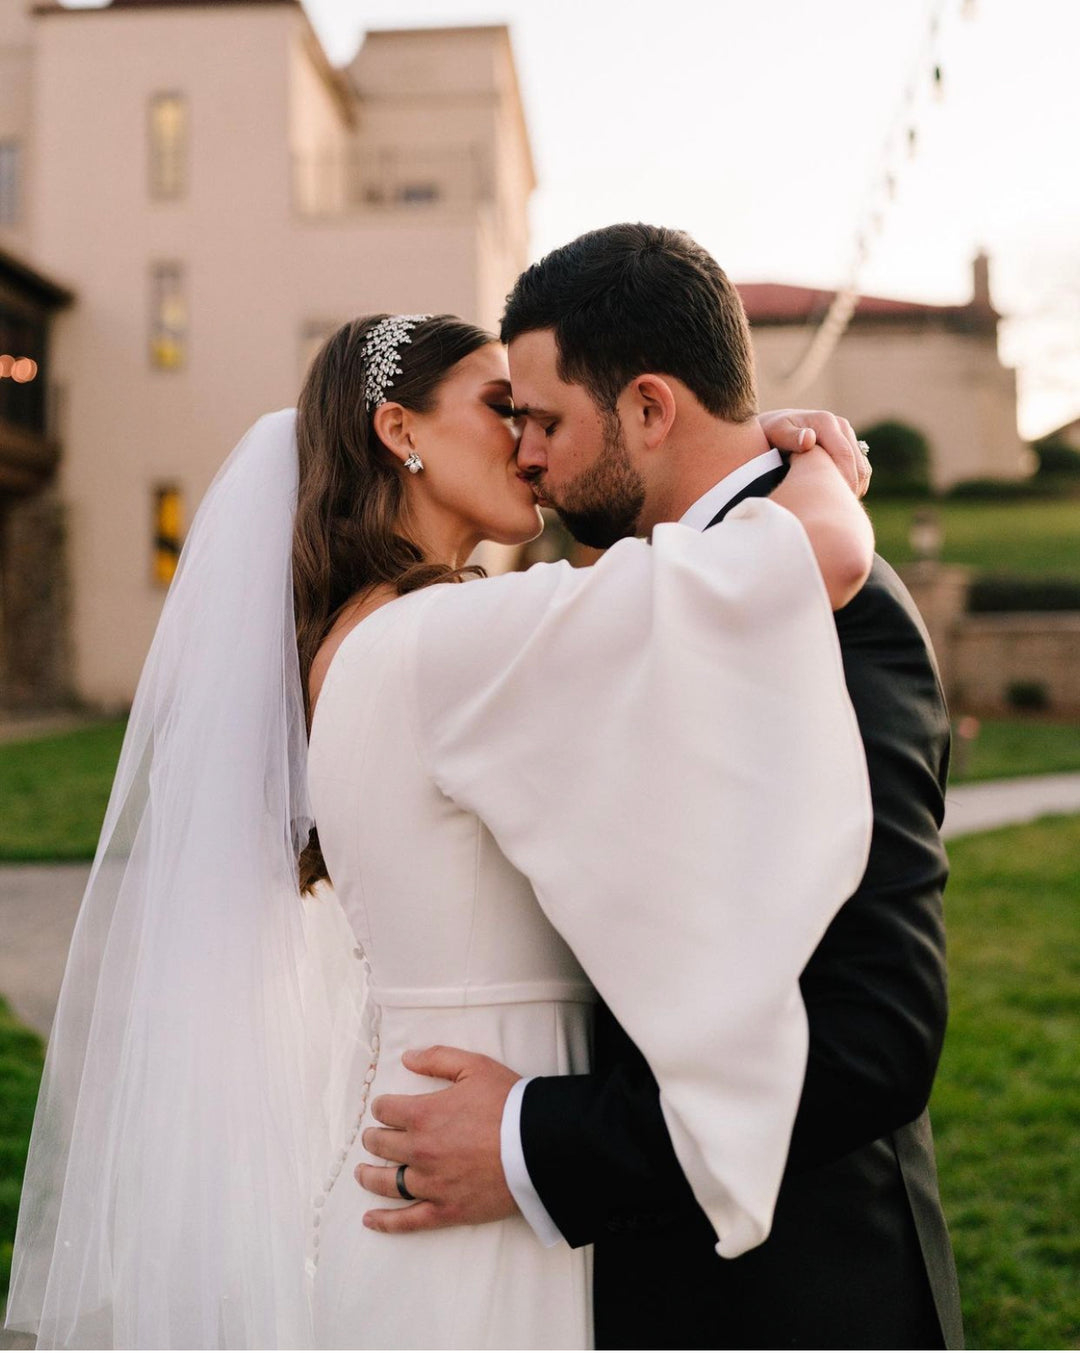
347 536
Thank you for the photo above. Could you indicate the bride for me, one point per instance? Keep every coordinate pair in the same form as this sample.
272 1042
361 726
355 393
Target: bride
515 805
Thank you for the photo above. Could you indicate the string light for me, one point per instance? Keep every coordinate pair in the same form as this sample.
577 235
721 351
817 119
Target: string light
22 370
902 144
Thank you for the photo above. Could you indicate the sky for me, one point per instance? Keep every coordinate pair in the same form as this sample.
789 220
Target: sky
766 129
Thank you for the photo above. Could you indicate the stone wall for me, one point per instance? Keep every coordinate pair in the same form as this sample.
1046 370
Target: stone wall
35 666
997 663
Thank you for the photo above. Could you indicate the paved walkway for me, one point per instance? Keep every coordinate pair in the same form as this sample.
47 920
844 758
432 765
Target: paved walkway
28 727
1002 803
38 904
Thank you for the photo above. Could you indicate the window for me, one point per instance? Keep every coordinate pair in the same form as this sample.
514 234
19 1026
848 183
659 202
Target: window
10 206
168 146
168 511
168 316
413 193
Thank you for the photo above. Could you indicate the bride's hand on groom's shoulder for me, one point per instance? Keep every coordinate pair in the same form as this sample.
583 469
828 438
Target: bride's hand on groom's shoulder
448 1141
795 430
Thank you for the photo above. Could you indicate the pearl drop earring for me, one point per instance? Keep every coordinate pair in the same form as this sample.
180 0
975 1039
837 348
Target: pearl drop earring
413 463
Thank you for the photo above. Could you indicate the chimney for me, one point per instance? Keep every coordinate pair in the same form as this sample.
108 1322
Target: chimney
980 269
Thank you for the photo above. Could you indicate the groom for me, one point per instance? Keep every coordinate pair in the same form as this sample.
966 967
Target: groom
859 1256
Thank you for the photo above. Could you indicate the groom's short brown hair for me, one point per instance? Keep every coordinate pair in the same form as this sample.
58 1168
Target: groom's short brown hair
635 298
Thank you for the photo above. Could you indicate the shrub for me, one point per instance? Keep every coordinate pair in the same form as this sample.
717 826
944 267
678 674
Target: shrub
997 490
901 458
995 592
1027 695
1056 457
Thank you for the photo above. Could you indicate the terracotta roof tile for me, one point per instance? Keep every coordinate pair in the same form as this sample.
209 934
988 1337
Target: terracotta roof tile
778 303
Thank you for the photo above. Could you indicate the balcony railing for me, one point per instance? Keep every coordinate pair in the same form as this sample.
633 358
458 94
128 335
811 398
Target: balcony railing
356 181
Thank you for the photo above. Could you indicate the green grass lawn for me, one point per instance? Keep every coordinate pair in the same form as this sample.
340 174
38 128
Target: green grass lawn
1006 1108
1008 747
53 793
1034 540
22 1055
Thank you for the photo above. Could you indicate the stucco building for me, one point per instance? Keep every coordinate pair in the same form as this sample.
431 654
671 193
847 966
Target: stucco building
934 367
194 197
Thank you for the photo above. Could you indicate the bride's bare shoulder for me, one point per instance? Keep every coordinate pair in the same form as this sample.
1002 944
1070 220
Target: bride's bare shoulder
351 616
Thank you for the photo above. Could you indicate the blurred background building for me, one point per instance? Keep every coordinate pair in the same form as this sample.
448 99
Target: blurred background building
191 199
192 196
935 368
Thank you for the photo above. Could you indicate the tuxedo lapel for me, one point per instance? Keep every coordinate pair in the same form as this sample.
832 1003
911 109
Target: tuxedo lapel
757 488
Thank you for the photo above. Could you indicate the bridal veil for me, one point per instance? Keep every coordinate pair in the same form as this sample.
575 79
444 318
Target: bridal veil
165 1200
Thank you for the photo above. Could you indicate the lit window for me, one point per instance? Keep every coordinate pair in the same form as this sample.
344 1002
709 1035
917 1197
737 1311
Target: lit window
22 385
9 183
168 316
168 145
168 512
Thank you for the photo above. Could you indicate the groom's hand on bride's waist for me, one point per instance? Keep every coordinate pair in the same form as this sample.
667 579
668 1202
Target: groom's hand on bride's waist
448 1142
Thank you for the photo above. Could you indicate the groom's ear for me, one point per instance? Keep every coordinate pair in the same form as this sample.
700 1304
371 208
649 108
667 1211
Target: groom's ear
652 408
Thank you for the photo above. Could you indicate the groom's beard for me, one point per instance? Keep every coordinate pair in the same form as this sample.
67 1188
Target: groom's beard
604 503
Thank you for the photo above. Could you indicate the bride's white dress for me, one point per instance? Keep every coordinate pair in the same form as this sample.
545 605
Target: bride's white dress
607 751
461 954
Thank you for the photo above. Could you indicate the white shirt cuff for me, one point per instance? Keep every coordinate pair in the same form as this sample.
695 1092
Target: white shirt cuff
516 1171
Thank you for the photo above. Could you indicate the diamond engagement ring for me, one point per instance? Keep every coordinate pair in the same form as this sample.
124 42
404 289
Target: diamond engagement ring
864 447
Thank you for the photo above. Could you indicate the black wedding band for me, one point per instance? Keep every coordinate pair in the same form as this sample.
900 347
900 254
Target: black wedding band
400 1181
